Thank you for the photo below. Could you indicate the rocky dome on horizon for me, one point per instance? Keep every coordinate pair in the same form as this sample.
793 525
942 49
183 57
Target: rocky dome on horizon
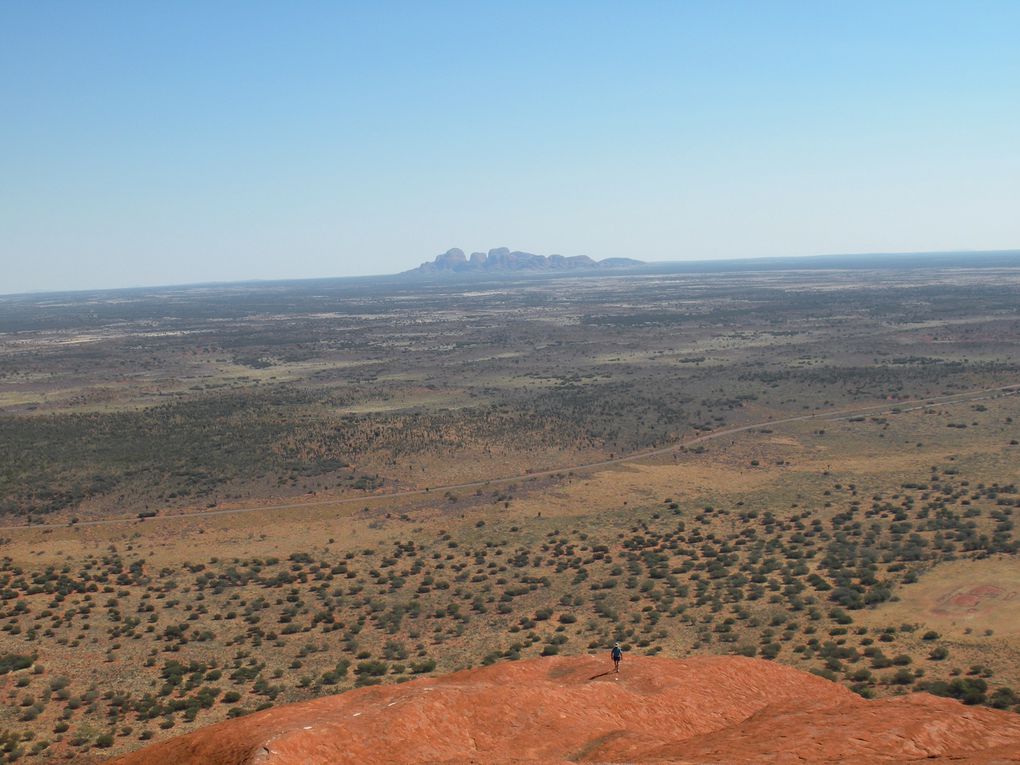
503 259
707 709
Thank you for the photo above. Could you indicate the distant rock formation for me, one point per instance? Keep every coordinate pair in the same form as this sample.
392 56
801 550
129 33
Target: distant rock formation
714 710
500 259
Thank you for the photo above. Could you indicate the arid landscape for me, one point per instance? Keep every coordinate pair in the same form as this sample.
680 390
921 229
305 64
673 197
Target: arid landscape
509 383
219 500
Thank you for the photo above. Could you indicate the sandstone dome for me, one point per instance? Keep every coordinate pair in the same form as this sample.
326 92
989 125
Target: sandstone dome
711 709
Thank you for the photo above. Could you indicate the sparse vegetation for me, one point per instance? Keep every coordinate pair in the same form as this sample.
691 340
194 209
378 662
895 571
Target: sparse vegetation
795 542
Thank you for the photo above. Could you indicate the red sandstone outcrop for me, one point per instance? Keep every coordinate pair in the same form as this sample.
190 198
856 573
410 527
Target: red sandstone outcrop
501 259
562 710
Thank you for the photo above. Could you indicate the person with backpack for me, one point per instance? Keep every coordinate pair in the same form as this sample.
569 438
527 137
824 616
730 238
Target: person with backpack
617 654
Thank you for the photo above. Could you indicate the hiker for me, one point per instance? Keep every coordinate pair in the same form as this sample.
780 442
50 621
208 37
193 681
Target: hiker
617 654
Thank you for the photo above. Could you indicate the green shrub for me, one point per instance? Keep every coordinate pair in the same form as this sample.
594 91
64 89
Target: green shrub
420 667
12 662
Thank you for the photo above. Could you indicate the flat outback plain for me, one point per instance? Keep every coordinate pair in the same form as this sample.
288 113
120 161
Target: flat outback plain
222 498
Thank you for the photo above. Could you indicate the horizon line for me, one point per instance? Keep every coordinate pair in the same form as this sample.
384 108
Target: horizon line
525 273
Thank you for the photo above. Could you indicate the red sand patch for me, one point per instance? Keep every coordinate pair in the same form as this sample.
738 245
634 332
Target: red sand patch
970 599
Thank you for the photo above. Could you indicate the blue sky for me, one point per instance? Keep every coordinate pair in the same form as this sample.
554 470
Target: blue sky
153 143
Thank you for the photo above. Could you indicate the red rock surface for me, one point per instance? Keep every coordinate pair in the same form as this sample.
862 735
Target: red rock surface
562 710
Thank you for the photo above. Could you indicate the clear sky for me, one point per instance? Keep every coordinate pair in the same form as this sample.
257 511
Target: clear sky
167 142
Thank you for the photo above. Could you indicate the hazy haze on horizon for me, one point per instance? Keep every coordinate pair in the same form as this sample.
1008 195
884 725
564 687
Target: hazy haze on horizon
156 144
